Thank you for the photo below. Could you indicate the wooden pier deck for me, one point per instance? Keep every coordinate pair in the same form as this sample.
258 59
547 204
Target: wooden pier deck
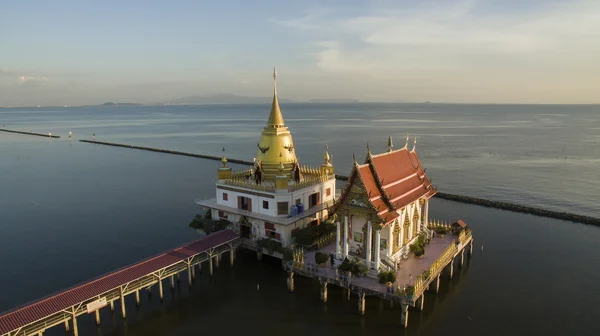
419 273
86 298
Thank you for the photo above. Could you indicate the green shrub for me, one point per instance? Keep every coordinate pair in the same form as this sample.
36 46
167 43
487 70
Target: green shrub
288 254
321 258
270 244
421 239
305 236
355 266
417 249
386 276
440 230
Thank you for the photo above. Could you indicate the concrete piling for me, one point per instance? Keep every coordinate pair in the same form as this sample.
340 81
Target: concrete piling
421 302
137 297
404 315
361 303
290 281
324 291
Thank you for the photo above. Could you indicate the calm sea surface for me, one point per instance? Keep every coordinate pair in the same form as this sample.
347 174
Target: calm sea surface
70 211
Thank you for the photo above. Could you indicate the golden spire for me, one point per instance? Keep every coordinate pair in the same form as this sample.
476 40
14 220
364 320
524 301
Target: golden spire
327 158
224 161
390 144
275 118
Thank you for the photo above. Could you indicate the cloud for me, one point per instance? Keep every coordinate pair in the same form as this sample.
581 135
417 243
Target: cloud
20 78
25 79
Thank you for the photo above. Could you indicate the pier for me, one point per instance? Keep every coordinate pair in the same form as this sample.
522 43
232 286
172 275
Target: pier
414 276
64 307
49 135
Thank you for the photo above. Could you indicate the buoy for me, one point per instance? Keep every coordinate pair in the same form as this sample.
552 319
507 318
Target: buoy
481 248
257 287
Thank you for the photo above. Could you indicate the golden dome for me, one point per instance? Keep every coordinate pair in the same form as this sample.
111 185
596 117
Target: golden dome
276 143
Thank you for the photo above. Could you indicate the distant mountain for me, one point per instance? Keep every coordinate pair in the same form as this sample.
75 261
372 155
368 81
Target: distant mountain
118 104
333 100
223 98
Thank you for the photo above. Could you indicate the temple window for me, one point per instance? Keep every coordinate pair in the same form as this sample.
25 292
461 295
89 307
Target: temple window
225 197
265 204
222 215
313 200
328 192
358 237
282 208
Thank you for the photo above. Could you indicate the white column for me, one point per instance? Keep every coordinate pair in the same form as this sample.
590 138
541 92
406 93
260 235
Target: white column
369 241
345 242
338 247
377 246
426 216
391 239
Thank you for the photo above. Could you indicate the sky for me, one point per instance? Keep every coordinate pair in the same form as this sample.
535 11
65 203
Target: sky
464 51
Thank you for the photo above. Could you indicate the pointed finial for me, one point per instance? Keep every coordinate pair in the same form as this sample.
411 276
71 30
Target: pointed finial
281 168
390 143
368 148
406 140
274 80
415 143
327 158
354 158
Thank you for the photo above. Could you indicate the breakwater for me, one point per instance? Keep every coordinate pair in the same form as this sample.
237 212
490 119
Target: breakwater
168 151
49 135
520 208
451 197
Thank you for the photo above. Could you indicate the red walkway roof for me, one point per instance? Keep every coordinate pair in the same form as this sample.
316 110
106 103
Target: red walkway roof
54 303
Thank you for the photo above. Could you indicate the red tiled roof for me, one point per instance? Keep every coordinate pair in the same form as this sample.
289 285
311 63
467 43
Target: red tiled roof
393 180
54 303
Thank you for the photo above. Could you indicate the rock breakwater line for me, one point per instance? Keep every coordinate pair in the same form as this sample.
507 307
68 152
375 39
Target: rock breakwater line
520 208
451 197
202 156
30 133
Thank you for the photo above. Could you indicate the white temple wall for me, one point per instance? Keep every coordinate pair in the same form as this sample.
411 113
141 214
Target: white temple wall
356 238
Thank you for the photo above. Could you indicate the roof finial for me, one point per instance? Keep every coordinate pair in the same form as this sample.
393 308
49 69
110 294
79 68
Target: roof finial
415 143
354 158
274 81
224 161
281 168
368 148
406 140
390 144
327 158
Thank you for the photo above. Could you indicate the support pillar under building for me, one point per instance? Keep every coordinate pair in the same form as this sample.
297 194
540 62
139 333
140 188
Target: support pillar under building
123 311
324 291
75 331
112 306
137 297
462 258
67 325
189 276
193 268
471 248
217 258
437 283
361 303
451 268
160 289
210 265
290 281
421 302
404 315
231 256
97 316
172 281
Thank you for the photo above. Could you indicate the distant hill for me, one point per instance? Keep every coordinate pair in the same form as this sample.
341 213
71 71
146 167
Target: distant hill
118 104
333 100
223 98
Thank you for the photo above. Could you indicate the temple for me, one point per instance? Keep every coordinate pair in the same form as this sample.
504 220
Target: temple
276 195
383 207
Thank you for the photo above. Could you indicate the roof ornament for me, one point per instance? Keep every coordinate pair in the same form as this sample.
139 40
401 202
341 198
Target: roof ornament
390 144
274 80
406 140
415 144
281 168
368 149
224 159
354 158
327 158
